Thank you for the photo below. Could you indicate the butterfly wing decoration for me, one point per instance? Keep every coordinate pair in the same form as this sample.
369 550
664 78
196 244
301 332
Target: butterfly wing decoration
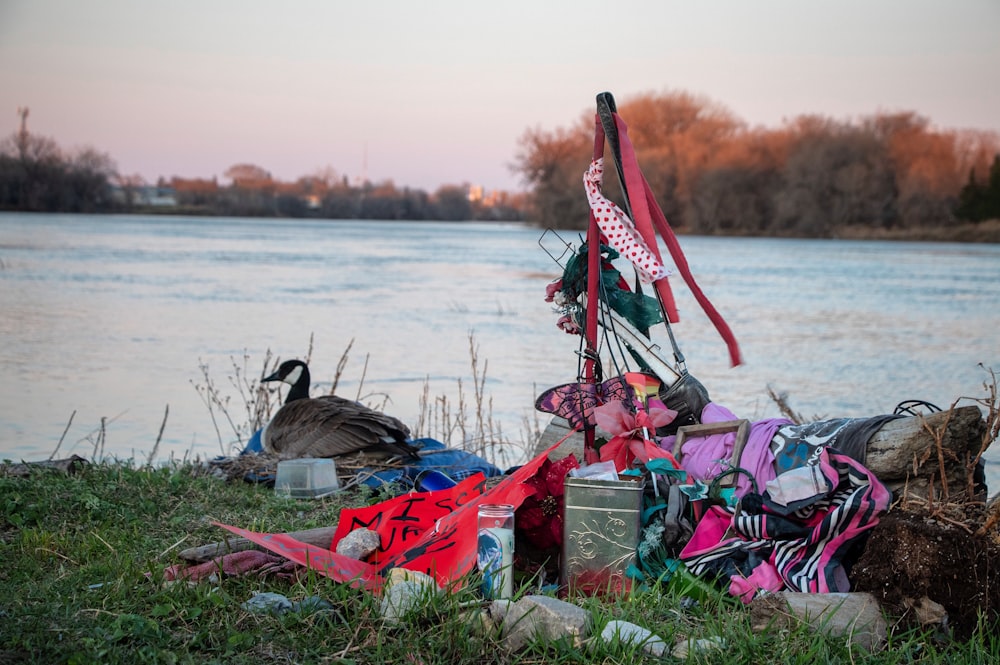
576 401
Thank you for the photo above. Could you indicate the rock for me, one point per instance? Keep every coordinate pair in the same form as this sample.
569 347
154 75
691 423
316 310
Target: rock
856 616
359 544
699 646
401 599
928 612
631 635
404 592
406 575
269 603
489 620
545 618
311 605
277 604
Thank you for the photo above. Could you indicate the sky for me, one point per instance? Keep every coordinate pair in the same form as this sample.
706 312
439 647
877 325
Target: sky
440 92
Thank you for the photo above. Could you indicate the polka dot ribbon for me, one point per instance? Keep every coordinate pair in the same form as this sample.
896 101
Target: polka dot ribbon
618 229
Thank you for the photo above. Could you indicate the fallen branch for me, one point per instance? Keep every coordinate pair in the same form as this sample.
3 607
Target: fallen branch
320 537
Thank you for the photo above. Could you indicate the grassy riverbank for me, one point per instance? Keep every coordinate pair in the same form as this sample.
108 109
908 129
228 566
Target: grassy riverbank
81 582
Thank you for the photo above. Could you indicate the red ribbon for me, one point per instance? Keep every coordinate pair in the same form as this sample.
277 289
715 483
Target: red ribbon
646 214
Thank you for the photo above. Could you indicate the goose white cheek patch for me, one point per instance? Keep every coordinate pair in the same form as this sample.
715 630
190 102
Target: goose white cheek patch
293 376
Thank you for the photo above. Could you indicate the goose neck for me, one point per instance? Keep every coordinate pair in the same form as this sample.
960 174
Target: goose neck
300 389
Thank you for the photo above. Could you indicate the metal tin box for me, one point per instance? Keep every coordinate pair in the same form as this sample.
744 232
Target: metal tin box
601 531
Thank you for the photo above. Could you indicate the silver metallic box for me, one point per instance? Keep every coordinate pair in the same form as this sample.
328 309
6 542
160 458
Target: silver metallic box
601 530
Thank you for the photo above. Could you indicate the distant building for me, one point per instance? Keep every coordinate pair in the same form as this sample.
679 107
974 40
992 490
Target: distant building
144 195
156 196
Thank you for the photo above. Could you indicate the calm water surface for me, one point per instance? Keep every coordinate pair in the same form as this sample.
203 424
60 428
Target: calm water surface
113 317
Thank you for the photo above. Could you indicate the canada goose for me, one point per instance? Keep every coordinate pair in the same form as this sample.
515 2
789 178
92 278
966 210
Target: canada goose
328 426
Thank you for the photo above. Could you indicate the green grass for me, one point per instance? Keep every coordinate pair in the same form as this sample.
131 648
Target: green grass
81 582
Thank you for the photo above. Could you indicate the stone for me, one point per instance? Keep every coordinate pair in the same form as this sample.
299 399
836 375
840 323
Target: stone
359 544
266 602
311 605
632 635
856 616
406 575
489 620
406 591
928 612
544 618
703 645
403 598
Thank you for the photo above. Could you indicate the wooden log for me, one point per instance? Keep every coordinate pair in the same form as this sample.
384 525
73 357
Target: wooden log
893 449
904 453
320 537
69 466
558 430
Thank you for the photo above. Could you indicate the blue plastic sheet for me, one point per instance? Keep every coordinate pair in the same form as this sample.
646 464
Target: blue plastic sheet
434 455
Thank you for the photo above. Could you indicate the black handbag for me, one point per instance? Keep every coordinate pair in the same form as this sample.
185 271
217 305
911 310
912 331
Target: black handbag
688 397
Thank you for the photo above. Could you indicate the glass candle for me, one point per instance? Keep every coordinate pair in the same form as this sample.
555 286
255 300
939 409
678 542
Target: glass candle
495 552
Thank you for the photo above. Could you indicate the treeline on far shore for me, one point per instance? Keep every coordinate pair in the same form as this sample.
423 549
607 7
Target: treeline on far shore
36 175
890 175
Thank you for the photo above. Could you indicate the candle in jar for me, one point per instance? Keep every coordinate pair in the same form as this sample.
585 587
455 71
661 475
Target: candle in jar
495 551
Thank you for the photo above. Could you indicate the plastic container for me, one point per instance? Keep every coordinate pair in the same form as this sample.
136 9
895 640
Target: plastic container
306 478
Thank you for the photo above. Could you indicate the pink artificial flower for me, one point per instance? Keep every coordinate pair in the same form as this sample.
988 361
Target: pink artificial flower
552 289
568 325
629 432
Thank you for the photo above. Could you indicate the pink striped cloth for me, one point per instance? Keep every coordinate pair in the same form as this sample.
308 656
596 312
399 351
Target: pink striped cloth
798 546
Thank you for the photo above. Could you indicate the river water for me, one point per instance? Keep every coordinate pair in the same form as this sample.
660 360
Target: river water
114 317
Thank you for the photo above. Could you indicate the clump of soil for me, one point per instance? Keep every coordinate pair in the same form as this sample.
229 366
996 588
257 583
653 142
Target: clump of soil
913 556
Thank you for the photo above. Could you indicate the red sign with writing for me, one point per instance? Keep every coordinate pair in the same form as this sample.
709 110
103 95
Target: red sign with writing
431 532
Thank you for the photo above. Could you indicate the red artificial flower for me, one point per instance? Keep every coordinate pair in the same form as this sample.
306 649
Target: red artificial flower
631 431
540 517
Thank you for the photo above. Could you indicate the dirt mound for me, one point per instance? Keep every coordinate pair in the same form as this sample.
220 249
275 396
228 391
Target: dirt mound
914 561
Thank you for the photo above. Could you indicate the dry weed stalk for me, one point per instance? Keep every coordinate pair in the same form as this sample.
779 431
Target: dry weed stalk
937 435
992 432
96 437
98 453
341 364
944 503
159 437
61 438
468 427
257 402
781 400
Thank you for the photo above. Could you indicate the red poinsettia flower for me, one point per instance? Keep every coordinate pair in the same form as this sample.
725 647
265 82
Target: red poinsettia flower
540 517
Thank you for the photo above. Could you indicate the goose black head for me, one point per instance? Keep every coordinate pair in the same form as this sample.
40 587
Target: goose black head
296 374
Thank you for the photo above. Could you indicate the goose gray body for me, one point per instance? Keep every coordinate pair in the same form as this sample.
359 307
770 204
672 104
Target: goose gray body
328 426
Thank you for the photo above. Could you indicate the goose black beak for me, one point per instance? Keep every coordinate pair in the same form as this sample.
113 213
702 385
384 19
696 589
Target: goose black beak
272 377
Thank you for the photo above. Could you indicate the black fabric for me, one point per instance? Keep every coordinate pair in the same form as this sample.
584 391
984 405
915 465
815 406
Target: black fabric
794 444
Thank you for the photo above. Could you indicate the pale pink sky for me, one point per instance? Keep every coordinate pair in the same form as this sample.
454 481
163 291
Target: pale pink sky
439 92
